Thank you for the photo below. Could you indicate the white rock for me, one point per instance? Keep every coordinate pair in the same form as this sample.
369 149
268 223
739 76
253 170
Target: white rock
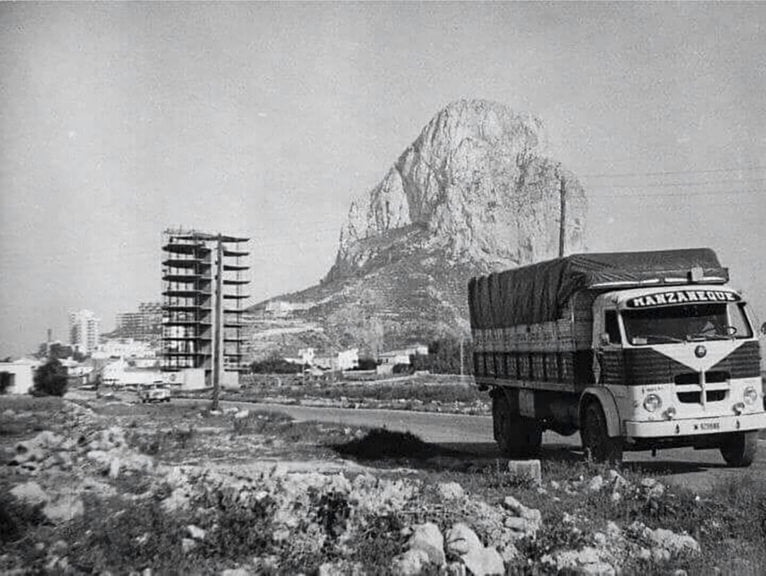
236 572
64 508
516 524
332 569
114 467
617 480
188 544
30 493
178 500
411 563
460 539
675 543
428 537
613 530
596 484
242 414
526 468
196 532
484 561
450 490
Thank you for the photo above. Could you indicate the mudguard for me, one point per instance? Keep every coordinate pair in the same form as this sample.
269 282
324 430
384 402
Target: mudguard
608 405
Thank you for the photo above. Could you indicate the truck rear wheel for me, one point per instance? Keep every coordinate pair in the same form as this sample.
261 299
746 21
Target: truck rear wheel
739 449
595 436
515 435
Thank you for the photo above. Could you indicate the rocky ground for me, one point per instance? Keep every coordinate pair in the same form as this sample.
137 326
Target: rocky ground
113 488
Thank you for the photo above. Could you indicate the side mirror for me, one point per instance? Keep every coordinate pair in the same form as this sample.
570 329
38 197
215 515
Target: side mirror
604 339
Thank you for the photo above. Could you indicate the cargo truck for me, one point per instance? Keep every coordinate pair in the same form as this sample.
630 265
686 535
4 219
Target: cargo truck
635 350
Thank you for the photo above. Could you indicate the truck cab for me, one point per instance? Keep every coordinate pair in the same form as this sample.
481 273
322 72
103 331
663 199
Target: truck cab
682 366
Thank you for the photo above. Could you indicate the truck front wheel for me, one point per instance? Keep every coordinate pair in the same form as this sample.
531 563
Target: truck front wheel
595 436
739 449
515 434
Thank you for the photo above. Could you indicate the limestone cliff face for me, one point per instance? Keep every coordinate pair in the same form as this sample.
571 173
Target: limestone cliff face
478 179
475 192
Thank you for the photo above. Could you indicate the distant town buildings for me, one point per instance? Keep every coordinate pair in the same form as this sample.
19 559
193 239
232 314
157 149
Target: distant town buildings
144 325
126 348
402 356
84 331
203 292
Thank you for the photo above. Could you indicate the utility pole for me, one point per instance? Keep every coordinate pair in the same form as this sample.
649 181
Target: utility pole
218 324
461 358
563 219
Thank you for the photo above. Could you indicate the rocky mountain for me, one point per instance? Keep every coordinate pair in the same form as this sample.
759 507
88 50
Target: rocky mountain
476 192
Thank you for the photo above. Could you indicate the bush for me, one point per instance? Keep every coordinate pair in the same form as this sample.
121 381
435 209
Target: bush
50 379
16 518
403 369
275 364
367 364
444 357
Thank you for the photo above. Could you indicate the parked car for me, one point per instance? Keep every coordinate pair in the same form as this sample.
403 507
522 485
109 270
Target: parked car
154 392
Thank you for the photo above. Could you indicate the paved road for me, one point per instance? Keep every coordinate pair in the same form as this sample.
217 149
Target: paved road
472 435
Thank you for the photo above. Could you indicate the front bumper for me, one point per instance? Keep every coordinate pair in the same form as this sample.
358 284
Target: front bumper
695 426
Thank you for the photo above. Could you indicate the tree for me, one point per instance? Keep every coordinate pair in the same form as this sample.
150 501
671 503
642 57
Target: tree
50 379
444 357
275 364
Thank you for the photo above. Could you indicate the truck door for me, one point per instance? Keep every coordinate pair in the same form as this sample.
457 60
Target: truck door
607 340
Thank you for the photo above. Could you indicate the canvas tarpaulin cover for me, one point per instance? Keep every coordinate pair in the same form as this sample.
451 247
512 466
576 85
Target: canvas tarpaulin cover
538 292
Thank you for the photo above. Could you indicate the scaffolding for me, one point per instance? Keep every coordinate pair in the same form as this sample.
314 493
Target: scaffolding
203 293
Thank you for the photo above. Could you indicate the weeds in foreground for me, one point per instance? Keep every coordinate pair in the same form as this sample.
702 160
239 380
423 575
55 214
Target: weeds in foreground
17 518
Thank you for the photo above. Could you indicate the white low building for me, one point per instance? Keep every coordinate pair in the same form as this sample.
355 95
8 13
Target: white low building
18 375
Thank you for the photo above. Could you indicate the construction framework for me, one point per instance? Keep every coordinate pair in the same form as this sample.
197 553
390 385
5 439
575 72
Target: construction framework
203 292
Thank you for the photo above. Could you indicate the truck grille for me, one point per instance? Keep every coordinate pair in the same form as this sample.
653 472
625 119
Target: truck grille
712 377
695 397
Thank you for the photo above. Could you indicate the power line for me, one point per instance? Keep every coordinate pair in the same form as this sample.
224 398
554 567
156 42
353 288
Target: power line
664 173
683 184
671 194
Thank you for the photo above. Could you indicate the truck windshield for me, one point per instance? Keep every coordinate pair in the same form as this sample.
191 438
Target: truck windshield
668 324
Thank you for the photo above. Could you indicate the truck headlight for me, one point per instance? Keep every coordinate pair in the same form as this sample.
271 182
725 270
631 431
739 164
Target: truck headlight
652 403
750 395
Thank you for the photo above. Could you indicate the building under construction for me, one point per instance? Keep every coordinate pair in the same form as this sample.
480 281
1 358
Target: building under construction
203 292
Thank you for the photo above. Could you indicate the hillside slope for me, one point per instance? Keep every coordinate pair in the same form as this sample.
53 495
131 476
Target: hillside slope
475 192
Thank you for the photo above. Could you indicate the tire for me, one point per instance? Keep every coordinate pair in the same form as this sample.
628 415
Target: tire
595 436
739 449
515 435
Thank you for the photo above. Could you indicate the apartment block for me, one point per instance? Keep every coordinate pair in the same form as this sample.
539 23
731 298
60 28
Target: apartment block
203 293
84 331
144 325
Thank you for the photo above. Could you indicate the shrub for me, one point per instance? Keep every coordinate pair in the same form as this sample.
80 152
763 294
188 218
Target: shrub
16 518
50 379
120 538
275 364
444 357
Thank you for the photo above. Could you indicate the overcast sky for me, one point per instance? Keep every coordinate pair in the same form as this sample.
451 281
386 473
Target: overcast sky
118 120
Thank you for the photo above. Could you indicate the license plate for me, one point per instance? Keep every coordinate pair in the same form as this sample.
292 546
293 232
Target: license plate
710 425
